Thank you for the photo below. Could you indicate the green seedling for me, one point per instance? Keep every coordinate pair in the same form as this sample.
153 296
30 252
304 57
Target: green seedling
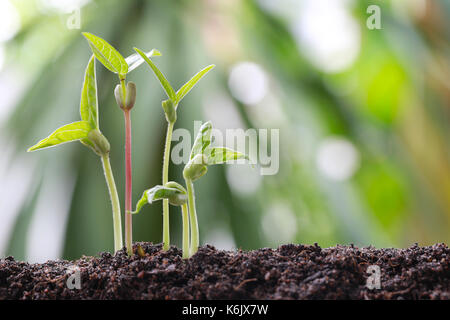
203 155
125 94
176 195
170 109
87 131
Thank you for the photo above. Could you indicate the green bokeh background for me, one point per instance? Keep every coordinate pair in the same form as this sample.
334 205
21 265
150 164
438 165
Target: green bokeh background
391 104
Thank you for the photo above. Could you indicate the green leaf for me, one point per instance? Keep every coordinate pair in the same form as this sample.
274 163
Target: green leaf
174 192
174 195
70 132
175 185
88 143
202 141
184 90
142 202
223 155
162 79
89 104
106 54
135 60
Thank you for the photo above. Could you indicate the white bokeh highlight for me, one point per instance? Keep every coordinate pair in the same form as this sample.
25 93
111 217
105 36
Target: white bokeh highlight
244 180
221 111
221 239
327 34
16 177
337 158
61 6
2 57
45 237
248 82
279 224
9 20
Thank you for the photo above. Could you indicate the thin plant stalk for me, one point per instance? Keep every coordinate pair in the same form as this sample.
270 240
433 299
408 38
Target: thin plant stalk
126 97
126 105
193 218
128 185
117 223
185 214
165 178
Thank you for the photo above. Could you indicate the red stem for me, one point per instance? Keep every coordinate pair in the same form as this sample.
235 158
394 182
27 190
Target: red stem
128 184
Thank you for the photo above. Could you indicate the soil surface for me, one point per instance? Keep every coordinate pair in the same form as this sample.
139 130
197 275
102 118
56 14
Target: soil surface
289 272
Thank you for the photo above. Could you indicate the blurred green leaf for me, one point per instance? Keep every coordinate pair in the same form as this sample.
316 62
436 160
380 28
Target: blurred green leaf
106 54
184 90
89 103
70 132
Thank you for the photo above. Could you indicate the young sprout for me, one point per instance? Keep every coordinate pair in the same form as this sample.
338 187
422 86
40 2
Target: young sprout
170 109
203 155
87 131
125 94
176 195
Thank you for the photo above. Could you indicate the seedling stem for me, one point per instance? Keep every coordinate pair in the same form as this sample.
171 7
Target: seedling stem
117 224
165 178
128 184
185 213
193 217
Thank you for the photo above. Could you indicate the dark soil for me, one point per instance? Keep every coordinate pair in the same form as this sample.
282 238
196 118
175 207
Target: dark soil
289 272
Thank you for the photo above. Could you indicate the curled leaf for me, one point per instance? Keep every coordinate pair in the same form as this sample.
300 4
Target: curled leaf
142 202
175 196
89 103
70 132
202 142
202 154
184 90
175 185
107 54
172 191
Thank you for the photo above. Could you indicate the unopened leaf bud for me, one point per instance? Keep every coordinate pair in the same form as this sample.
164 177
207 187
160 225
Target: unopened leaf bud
131 95
170 111
118 94
196 167
101 144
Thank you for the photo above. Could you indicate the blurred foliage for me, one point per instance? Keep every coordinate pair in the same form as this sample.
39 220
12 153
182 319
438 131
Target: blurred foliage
391 104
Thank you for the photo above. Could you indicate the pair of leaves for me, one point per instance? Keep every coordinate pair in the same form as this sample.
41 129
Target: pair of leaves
171 191
112 59
213 155
89 116
175 97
